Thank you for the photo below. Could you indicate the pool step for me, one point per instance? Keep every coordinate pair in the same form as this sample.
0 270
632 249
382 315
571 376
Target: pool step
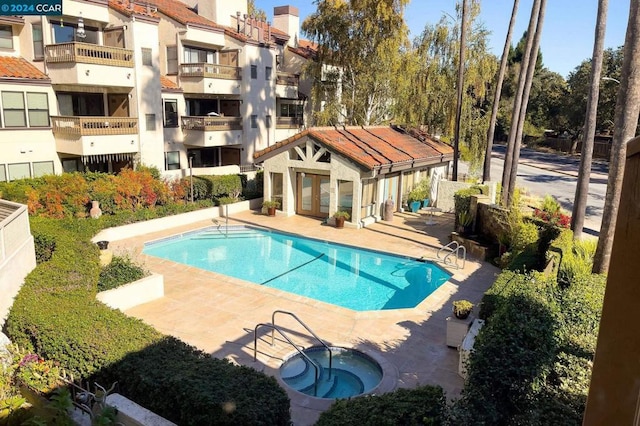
227 234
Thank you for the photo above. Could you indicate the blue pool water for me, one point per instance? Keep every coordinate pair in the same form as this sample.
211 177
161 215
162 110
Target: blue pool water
352 373
350 277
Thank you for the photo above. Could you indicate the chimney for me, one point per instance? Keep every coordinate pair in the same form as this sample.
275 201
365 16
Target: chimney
287 19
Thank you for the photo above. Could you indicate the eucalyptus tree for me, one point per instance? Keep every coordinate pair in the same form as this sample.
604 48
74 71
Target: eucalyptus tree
518 113
626 122
586 155
486 173
358 60
428 98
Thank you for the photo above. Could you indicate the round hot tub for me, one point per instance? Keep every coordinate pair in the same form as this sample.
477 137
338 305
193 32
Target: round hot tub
352 372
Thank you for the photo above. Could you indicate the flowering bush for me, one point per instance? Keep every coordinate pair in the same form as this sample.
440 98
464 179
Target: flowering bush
557 219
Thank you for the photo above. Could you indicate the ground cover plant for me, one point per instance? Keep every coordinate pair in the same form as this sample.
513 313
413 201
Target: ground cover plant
56 316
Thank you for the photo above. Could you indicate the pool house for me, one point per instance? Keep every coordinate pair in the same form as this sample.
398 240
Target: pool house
322 170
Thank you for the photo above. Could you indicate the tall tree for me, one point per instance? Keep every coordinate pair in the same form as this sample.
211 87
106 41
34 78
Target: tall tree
255 11
531 68
626 122
486 173
426 98
359 58
460 88
507 191
586 156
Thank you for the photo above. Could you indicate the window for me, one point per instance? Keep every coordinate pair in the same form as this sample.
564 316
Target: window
70 165
42 168
65 32
38 45
38 109
13 106
150 119
193 55
267 121
19 171
3 173
277 186
345 196
170 113
254 71
267 73
172 59
172 160
6 37
291 110
147 58
254 121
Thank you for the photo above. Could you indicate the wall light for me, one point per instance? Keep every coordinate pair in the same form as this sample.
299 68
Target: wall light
87 72
80 32
132 142
210 85
128 75
91 143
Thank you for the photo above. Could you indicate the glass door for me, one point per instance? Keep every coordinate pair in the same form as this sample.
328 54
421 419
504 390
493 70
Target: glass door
312 195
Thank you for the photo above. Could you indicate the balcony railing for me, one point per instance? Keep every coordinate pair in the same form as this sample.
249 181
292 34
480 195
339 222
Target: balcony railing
226 72
287 79
88 53
212 123
288 122
92 126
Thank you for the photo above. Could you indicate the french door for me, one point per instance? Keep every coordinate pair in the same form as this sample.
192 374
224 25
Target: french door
312 195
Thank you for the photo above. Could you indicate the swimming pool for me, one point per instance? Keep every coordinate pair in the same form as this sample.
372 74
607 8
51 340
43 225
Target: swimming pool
354 278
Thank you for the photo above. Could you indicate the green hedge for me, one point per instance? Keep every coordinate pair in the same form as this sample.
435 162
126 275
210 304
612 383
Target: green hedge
215 187
532 361
56 315
425 405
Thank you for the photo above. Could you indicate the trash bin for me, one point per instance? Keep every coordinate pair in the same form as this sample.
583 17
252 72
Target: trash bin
103 245
388 210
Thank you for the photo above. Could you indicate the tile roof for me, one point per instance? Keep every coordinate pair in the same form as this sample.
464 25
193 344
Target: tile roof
168 84
181 13
129 8
307 49
17 67
372 147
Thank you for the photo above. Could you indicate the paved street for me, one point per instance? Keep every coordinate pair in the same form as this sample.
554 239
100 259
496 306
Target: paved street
556 174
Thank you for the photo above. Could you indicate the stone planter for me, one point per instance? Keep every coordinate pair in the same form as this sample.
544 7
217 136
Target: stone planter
129 295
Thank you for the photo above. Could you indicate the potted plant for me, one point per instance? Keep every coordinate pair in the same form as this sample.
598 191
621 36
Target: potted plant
340 216
462 308
425 186
465 220
416 198
271 206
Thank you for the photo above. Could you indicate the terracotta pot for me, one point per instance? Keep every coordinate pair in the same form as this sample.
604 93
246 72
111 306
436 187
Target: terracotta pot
271 211
339 222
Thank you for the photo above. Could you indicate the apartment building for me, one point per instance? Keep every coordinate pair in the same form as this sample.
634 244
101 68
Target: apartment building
112 83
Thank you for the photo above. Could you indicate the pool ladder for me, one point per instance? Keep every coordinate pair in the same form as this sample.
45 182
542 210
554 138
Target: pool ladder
275 328
453 249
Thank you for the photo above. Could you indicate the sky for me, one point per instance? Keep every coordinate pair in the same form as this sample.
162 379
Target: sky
568 29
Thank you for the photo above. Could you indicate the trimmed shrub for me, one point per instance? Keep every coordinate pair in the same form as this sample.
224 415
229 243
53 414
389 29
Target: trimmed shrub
120 271
532 361
425 405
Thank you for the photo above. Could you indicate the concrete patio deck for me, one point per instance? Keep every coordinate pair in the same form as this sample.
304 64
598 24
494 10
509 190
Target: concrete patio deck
218 314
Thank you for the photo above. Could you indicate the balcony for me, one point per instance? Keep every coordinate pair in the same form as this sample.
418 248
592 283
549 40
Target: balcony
289 122
287 85
212 131
95 135
210 78
90 64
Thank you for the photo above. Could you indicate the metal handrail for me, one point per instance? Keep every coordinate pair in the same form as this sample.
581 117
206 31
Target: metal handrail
453 247
274 327
273 321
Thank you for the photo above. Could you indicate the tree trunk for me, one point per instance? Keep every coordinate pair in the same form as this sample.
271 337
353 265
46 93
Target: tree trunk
626 122
517 104
486 174
531 68
584 173
456 136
